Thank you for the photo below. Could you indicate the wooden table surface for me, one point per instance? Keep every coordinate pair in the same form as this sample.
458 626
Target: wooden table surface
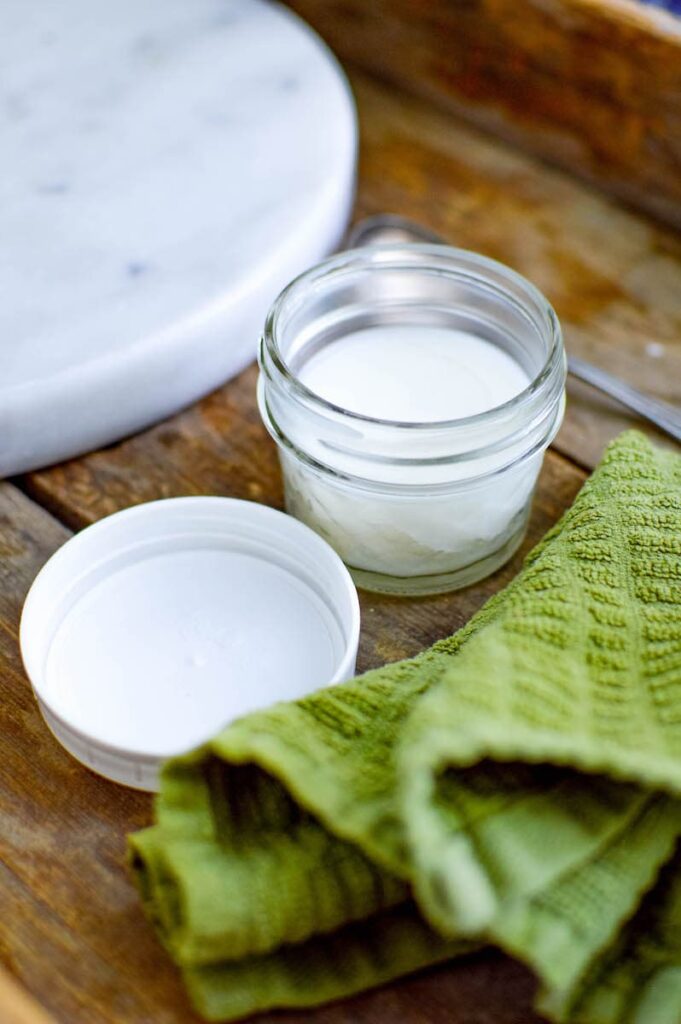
71 931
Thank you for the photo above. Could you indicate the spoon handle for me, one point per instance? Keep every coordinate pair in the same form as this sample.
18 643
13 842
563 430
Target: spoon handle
662 414
387 227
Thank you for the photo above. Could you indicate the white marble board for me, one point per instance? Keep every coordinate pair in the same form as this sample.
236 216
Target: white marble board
166 166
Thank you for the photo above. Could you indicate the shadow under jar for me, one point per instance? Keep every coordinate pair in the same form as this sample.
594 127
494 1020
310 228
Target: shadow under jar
371 363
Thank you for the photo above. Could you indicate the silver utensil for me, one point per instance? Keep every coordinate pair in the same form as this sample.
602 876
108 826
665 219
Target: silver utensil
386 227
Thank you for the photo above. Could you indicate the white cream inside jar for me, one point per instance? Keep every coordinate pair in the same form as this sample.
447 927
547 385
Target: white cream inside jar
412 391
413 374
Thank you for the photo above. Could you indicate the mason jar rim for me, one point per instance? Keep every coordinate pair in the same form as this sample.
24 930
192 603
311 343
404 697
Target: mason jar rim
368 483
445 261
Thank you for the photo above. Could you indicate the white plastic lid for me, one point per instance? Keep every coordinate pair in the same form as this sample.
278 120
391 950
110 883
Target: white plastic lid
148 632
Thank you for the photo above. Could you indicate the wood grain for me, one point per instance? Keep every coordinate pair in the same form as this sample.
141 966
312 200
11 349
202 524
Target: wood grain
613 276
592 85
72 931
17 1006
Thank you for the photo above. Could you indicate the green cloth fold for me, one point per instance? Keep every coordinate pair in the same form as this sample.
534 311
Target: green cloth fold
517 784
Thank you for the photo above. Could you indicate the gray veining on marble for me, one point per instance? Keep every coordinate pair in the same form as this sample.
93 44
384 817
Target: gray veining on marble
166 166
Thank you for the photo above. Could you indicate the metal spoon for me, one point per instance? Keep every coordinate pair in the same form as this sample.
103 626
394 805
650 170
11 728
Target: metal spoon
387 227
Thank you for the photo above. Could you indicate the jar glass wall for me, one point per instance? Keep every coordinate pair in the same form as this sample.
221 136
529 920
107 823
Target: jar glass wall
412 507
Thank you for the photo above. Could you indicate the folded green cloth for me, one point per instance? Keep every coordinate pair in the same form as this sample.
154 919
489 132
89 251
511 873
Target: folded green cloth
516 784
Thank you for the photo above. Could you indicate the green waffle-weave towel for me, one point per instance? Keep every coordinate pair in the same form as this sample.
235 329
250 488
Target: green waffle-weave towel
517 784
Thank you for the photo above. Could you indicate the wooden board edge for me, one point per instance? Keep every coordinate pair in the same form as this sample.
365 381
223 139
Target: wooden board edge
17 1006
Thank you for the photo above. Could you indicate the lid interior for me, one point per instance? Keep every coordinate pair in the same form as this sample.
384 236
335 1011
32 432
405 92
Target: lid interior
151 630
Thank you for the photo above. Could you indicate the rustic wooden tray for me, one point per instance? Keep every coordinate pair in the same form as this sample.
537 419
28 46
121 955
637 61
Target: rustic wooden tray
71 932
592 85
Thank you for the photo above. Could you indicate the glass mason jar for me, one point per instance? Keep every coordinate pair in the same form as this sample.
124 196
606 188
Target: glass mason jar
412 508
